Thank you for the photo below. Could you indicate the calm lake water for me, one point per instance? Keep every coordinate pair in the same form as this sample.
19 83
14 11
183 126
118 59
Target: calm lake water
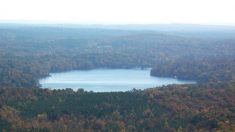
106 80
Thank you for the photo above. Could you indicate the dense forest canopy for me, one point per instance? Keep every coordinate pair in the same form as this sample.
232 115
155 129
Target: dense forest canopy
204 54
33 52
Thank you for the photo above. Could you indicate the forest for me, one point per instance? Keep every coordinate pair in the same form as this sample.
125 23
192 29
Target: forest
28 53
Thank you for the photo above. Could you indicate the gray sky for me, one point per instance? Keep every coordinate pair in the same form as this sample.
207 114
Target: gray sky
119 11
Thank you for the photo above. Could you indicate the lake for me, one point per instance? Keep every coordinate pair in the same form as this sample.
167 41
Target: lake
107 80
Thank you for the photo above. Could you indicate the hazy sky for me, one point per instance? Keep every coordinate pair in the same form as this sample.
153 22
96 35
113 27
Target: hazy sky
119 11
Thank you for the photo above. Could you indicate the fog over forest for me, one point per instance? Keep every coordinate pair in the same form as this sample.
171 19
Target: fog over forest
202 53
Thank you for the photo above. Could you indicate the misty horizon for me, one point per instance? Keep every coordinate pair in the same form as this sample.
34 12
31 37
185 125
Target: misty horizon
31 22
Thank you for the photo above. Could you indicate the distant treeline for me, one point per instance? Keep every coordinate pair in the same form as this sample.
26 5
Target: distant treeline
30 53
